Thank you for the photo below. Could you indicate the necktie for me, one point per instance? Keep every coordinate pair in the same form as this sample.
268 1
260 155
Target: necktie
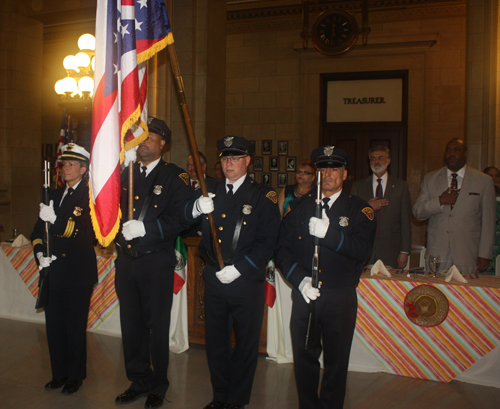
325 206
379 193
70 190
143 173
454 183
193 185
68 193
230 191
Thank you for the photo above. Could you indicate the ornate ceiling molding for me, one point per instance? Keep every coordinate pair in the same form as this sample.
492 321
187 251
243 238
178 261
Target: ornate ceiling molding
290 17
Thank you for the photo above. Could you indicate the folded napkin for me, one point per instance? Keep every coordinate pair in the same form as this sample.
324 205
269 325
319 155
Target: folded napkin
20 241
454 274
379 268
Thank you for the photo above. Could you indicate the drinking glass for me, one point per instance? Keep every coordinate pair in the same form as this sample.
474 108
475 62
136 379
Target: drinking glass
434 263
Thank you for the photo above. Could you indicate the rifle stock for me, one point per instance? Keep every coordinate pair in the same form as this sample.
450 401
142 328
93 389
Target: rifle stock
43 281
315 265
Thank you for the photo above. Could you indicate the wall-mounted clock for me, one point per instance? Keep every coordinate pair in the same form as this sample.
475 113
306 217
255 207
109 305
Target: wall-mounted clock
335 32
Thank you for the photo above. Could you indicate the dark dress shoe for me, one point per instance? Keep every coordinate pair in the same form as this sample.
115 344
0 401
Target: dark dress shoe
71 387
216 405
154 400
128 396
56 383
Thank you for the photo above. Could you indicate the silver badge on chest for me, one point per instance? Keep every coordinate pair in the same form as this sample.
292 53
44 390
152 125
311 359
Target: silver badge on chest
247 209
344 221
157 189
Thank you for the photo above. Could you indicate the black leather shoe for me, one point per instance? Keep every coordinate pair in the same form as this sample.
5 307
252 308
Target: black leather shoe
154 400
71 387
56 383
216 405
128 396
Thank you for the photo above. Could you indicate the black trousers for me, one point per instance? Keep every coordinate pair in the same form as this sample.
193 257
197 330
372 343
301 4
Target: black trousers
239 306
66 323
335 322
144 286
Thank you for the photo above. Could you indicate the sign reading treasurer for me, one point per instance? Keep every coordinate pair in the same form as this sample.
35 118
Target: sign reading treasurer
365 100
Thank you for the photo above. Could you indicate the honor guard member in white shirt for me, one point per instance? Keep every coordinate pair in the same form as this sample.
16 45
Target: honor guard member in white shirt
346 232
72 270
145 265
247 219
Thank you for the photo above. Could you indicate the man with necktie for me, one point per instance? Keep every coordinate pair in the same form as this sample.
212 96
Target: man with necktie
390 198
145 265
247 219
345 231
72 270
459 202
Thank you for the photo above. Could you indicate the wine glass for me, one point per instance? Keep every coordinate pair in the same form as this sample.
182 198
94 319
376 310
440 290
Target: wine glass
434 263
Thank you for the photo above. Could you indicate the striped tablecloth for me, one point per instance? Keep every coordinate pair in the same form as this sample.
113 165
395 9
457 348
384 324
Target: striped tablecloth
104 300
440 353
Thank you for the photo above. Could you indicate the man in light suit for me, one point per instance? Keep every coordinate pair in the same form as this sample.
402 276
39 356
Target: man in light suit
459 202
392 204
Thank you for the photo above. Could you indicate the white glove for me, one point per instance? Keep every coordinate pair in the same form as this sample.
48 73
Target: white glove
47 213
130 156
228 274
44 261
308 291
133 229
203 205
319 227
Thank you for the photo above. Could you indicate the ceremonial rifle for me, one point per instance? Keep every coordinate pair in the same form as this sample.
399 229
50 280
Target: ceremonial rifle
42 300
315 264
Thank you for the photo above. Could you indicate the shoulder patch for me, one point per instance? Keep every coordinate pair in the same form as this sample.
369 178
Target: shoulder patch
185 177
272 196
368 211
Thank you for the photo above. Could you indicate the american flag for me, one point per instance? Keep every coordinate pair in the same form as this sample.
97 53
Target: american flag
128 33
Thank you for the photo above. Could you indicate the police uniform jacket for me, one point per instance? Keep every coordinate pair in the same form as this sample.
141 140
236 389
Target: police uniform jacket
343 251
259 229
164 219
72 240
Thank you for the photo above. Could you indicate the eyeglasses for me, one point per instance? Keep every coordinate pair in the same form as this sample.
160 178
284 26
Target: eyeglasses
304 172
231 159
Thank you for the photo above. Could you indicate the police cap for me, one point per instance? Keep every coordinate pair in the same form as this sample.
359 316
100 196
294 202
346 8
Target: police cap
72 151
331 157
235 145
159 127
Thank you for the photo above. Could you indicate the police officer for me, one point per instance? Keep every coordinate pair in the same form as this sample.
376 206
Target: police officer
72 270
145 265
346 232
247 218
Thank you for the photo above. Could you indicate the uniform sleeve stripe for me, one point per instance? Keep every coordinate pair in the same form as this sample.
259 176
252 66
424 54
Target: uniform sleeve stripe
252 263
290 272
341 240
37 241
159 228
70 227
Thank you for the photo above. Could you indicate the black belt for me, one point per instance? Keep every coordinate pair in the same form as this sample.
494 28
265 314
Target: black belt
133 253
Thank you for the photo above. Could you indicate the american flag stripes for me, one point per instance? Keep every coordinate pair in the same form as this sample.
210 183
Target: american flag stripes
128 33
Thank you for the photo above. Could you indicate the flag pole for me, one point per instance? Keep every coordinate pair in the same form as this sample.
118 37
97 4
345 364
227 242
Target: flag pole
192 142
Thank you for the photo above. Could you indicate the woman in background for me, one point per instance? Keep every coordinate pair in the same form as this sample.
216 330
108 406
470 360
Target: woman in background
305 176
495 174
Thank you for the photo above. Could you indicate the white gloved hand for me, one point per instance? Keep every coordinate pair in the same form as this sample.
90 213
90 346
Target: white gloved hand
319 227
133 229
47 213
130 156
44 261
203 205
308 291
228 274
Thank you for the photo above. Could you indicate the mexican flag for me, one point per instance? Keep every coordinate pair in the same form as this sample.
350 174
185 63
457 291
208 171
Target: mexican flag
181 256
270 283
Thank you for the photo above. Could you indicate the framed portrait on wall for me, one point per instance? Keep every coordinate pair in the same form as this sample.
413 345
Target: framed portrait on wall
267 147
282 179
257 163
266 179
290 163
274 163
282 147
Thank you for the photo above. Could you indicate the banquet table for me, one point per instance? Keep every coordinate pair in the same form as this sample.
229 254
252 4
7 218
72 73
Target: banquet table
463 347
19 288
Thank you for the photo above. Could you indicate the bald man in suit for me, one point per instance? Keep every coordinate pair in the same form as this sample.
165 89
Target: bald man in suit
459 202
392 209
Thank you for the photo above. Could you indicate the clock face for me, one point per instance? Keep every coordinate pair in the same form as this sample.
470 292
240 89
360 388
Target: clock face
335 31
